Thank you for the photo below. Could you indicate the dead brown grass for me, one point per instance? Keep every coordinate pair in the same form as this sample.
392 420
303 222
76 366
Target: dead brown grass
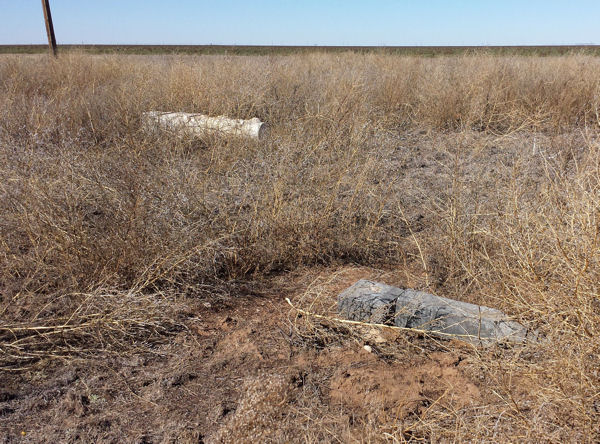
473 176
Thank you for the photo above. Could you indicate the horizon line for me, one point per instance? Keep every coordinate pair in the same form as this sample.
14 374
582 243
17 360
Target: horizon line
564 45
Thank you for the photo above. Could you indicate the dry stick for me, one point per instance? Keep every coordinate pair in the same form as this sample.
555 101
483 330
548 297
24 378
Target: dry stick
49 27
368 324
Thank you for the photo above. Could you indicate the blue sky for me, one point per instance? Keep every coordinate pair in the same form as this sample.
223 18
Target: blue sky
307 22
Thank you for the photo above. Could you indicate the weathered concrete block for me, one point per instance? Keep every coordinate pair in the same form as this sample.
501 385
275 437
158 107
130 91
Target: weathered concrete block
369 301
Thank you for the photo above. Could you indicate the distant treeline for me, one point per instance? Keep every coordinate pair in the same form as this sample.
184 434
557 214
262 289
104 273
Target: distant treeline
429 51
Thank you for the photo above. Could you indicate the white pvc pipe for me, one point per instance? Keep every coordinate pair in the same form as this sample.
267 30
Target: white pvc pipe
200 125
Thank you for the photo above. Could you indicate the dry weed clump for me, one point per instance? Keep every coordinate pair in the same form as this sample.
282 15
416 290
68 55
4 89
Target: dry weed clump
475 177
86 326
536 255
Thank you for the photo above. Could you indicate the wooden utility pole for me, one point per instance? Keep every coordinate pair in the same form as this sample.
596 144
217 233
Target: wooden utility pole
49 27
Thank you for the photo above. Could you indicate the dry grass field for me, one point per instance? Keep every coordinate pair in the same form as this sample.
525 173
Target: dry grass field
143 276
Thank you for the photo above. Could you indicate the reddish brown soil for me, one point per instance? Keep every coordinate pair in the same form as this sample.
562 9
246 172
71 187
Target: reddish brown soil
229 377
364 380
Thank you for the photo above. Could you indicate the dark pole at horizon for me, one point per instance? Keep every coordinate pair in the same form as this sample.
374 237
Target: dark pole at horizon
49 27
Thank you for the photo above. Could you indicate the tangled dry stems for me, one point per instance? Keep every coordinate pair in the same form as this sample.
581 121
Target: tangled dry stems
97 324
474 176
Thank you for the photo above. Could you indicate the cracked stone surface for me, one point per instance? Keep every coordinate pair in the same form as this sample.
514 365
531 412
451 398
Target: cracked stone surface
374 302
368 301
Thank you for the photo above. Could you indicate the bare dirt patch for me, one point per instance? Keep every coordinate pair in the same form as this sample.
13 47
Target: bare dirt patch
405 388
236 374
